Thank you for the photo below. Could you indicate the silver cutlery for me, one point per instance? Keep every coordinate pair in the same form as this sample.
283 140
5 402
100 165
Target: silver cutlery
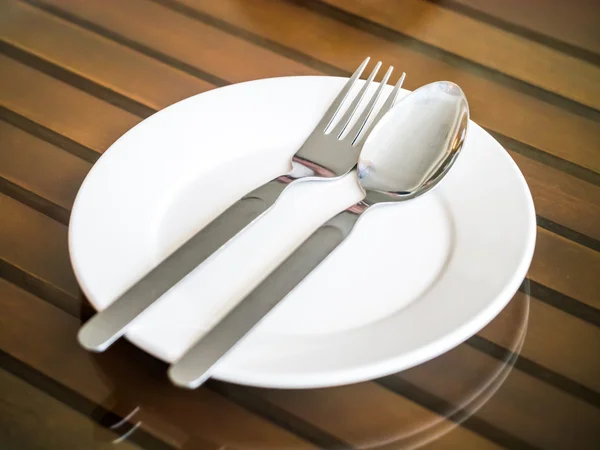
407 154
328 152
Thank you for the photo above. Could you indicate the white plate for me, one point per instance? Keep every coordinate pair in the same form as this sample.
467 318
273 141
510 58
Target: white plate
412 281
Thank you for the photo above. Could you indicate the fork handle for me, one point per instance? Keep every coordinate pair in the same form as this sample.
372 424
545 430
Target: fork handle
194 367
111 323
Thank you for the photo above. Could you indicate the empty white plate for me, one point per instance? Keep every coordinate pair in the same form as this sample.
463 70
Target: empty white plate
412 281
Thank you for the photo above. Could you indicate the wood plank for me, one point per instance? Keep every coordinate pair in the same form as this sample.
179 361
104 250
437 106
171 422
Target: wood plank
57 327
562 198
542 276
495 48
37 245
60 107
575 22
546 199
534 412
555 340
48 261
186 40
567 267
51 233
493 105
44 338
114 66
547 184
31 419
393 421
40 170
59 174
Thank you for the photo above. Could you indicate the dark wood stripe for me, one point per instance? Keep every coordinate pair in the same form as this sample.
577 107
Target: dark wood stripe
548 221
515 145
563 302
34 201
548 295
141 110
253 38
557 299
79 403
44 290
48 135
397 37
443 408
568 233
536 370
278 416
108 34
519 147
75 80
548 41
260 407
301 429
546 158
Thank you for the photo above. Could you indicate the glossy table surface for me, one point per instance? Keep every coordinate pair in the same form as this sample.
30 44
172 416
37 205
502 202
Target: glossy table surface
77 74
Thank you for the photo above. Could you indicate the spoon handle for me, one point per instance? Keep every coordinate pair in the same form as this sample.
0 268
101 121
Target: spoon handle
193 368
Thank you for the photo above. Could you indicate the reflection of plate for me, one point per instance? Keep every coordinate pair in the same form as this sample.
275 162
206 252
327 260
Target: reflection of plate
477 395
394 422
440 266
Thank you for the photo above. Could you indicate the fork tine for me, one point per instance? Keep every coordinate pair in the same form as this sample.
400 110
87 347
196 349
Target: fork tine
389 102
362 120
339 100
345 120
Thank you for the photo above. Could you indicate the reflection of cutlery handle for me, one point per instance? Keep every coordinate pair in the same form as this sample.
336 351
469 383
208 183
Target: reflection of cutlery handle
111 323
194 367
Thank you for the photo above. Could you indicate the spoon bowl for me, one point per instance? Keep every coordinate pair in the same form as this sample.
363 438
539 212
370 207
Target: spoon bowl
414 146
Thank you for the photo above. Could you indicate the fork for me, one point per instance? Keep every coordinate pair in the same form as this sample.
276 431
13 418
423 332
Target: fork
329 151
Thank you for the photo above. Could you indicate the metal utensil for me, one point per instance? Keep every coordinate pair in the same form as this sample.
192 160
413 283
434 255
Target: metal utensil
323 154
407 154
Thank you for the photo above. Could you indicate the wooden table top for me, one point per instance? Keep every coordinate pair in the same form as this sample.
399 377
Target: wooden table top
77 74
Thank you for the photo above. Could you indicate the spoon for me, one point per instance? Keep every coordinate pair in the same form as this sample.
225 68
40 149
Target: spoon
408 153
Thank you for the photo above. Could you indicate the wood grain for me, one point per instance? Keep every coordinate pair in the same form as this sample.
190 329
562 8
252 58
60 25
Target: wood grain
75 75
114 66
115 371
393 421
36 245
566 267
532 411
197 45
555 340
44 338
575 22
31 419
572 279
494 106
60 107
58 176
49 261
41 170
562 198
556 194
495 48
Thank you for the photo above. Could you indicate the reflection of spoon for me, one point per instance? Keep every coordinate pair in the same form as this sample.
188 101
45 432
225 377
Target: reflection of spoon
409 151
